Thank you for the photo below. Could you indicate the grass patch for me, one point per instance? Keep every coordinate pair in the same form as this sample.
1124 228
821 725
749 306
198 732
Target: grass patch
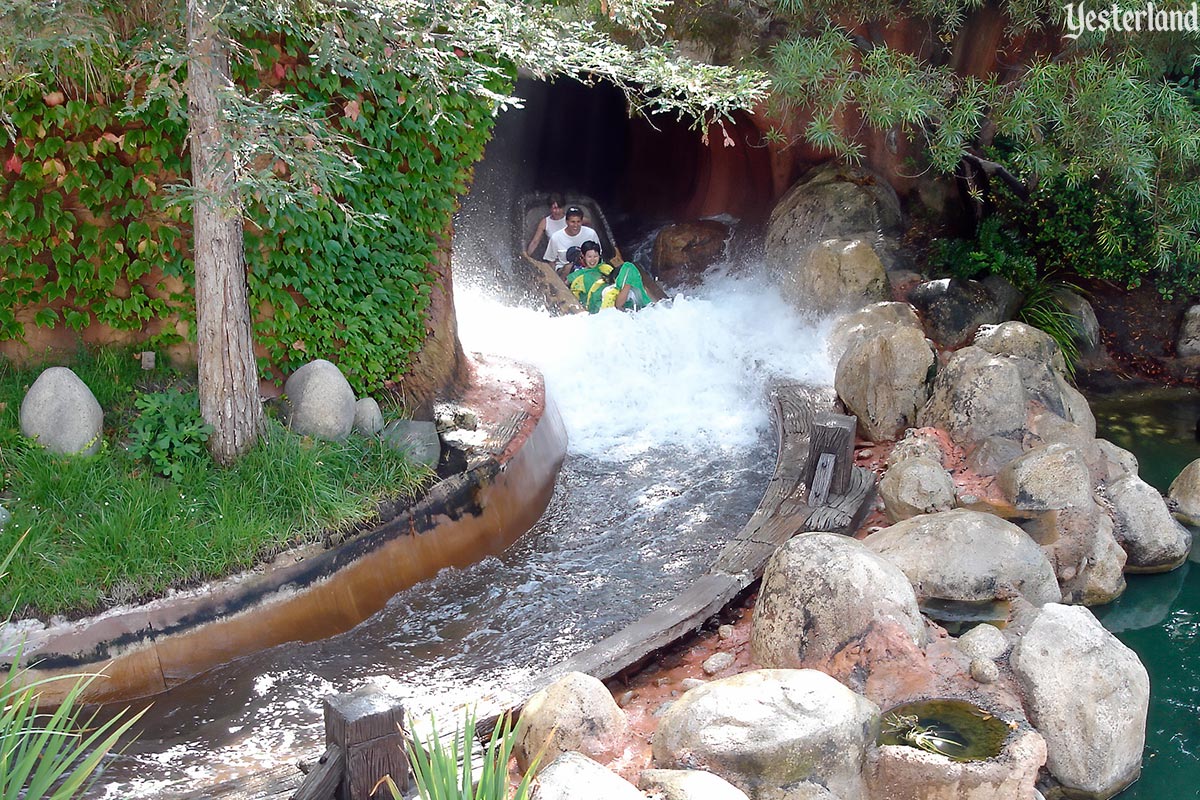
107 529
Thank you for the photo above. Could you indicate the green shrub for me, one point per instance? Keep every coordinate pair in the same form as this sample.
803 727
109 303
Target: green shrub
169 433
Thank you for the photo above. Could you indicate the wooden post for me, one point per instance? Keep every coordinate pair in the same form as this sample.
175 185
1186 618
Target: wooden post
365 725
830 447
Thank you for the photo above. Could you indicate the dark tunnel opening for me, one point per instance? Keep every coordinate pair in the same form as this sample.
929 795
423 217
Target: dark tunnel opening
645 173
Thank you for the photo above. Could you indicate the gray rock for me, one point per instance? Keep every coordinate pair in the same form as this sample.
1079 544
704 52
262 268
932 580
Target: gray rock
822 590
1022 341
418 439
983 641
831 274
967 556
1108 462
1054 476
716 663
1185 493
688 784
1086 328
916 444
1087 558
1153 540
952 309
1007 297
576 713
368 419
832 201
319 401
1188 341
62 414
867 322
1087 694
992 455
984 671
5 517
976 395
769 729
916 486
572 776
884 381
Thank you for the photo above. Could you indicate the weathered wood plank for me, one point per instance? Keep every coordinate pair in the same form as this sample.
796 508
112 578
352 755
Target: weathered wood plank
322 782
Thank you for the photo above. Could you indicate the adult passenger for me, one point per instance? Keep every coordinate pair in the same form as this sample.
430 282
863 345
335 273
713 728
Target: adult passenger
573 235
550 224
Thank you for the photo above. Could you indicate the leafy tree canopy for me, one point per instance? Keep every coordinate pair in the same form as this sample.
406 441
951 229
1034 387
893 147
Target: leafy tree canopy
1114 112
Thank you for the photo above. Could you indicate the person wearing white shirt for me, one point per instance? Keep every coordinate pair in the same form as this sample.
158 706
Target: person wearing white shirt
550 224
573 235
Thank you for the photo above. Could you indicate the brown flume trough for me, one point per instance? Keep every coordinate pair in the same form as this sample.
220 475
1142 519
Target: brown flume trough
313 593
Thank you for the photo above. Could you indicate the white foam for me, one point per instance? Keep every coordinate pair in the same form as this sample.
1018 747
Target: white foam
690 373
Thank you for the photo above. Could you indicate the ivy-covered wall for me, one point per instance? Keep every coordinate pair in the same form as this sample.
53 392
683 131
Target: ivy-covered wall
91 234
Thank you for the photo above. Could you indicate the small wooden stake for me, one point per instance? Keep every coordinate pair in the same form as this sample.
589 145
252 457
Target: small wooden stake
832 435
365 725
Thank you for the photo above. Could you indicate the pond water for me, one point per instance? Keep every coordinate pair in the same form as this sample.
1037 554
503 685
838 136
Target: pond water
1158 616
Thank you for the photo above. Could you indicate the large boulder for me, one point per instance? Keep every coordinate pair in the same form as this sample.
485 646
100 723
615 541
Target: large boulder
1022 341
967 556
1085 328
1152 538
686 249
1052 486
688 784
572 776
576 713
832 274
832 201
867 322
1185 494
884 381
771 728
821 591
1188 341
62 414
953 309
1051 477
320 402
976 395
916 486
1087 694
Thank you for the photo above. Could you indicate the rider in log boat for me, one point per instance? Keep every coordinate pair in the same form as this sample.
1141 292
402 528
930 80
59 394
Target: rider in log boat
573 235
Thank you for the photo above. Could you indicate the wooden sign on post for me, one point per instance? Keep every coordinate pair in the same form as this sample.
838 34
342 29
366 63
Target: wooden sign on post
365 725
830 456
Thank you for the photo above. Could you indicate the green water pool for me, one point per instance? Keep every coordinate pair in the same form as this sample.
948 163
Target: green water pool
1158 616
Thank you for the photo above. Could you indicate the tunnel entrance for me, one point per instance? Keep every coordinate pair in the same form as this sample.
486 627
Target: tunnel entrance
576 137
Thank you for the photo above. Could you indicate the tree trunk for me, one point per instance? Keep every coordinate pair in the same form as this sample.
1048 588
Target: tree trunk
228 373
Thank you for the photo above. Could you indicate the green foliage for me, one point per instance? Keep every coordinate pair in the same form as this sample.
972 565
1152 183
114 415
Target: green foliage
169 433
442 766
108 530
1042 309
49 755
996 250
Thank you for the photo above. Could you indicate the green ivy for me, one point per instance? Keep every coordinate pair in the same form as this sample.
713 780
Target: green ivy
357 290
83 222
87 221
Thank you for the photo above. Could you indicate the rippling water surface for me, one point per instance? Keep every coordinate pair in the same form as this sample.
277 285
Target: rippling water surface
1158 616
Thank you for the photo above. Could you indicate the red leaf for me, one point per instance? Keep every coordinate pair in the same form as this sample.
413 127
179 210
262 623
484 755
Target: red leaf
13 164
